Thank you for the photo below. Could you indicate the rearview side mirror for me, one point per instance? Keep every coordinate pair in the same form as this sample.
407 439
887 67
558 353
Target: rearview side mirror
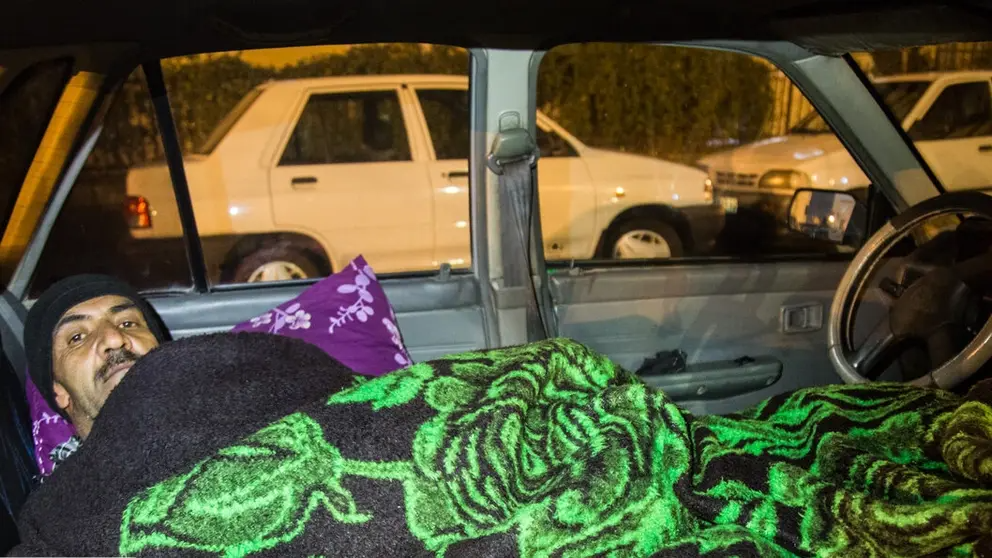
822 214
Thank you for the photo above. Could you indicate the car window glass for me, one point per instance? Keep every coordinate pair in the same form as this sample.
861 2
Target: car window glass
301 159
899 96
447 115
98 229
336 128
952 133
690 153
26 105
960 111
553 145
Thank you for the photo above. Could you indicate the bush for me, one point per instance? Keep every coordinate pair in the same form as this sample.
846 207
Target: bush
666 102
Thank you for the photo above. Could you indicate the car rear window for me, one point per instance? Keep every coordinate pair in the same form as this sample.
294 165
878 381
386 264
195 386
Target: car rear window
26 106
90 234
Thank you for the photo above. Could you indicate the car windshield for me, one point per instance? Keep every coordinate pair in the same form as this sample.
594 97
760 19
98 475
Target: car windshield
899 96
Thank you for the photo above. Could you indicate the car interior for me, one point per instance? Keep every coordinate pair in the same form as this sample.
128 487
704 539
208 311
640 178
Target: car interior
90 96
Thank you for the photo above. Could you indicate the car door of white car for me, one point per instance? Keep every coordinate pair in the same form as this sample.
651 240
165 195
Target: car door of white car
349 175
445 110
954 135
568 196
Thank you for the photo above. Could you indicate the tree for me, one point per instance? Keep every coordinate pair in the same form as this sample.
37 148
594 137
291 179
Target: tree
667 102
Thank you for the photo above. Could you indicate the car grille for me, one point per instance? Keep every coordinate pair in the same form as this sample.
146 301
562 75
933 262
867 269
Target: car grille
736 179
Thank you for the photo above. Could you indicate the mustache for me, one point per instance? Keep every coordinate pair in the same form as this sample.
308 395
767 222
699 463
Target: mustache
116 358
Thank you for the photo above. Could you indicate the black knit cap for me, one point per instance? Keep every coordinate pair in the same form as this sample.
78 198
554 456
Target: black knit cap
53 304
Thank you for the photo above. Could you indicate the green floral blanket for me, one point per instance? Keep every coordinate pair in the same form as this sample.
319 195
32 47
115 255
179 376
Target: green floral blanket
550 449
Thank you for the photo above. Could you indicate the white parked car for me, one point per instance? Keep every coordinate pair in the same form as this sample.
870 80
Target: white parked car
281 188
948 115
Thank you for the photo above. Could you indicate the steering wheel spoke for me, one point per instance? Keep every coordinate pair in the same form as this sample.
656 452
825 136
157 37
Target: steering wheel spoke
874 350
942 345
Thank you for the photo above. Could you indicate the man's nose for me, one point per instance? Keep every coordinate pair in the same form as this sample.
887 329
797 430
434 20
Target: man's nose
111 339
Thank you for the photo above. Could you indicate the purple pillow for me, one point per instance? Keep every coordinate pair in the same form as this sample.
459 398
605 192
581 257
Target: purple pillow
48 428
347 315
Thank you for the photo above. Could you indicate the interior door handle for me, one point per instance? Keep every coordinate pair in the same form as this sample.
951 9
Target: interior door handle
456 174
718 380
985 148
303 182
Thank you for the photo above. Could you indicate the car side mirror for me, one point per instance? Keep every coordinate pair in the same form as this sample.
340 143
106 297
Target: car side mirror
823 214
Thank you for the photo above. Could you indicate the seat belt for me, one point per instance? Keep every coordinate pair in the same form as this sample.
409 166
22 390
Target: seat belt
513 158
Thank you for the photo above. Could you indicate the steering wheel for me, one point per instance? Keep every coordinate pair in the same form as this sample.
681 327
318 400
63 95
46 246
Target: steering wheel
931 310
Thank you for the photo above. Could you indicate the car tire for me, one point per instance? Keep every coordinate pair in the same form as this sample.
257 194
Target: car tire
655 235
276 262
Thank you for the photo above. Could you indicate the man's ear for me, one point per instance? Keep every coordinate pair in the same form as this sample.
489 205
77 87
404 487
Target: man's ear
62 398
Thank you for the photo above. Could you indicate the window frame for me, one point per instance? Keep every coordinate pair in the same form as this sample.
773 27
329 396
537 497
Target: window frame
413 99
414 91
303 99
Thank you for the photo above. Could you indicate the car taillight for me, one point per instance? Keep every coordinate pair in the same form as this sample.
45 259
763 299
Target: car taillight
138 213
708 190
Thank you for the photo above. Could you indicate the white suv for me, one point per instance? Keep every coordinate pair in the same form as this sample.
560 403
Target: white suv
281 187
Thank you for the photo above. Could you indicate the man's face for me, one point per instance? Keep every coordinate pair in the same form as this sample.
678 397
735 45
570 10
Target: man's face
93 347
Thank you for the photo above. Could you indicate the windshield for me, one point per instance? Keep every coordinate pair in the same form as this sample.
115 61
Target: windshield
899 96
227 123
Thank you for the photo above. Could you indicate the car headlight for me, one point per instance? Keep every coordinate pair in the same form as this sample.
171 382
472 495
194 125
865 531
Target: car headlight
785 179
708 191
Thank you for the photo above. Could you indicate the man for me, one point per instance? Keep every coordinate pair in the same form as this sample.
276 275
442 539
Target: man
82 336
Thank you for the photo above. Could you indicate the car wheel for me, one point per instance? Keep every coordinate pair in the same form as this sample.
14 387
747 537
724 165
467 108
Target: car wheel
642 239
280 262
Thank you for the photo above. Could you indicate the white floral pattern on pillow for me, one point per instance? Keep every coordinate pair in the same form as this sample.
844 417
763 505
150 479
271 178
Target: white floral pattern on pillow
360 309
295 317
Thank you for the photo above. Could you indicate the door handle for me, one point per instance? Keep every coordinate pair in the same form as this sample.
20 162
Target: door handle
985 148
718 380
303 182
456 174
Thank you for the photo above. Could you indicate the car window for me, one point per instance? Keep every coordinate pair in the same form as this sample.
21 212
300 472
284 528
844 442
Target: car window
553 145
960 111
359 127
689 153
953 132
94 232
899 96
298 160
228 122
447 117
26 106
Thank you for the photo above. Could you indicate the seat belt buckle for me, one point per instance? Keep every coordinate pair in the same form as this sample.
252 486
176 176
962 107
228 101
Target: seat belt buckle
511 146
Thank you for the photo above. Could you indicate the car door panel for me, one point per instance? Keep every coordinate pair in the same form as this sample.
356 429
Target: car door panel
959 155
716 312
961 164
348 175
568 198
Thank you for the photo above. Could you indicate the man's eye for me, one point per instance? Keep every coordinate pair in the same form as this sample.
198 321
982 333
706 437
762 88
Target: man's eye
75 338
127 324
